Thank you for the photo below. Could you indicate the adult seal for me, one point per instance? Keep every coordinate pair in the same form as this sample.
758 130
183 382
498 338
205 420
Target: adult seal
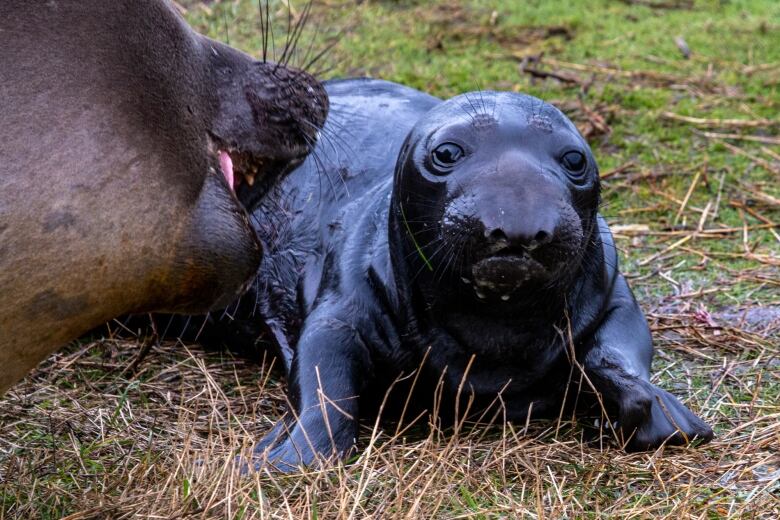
122 135
456 251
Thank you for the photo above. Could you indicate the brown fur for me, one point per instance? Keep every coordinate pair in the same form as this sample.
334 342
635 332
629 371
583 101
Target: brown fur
111 197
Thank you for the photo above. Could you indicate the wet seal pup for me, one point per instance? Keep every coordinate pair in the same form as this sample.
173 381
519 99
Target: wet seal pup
479 268
122 136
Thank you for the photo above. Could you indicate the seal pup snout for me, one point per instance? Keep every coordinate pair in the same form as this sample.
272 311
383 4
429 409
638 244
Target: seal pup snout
520 231
519 242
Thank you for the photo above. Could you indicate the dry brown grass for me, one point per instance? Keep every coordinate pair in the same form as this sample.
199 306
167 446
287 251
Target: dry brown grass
82 439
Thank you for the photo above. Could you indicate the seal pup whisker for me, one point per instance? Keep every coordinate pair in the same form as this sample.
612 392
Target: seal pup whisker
323 171
336 143
336 134
443 269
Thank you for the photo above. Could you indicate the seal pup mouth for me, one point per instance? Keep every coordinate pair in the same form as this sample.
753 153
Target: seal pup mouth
502 273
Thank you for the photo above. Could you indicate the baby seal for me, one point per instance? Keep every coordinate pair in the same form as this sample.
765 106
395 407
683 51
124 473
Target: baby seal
457 243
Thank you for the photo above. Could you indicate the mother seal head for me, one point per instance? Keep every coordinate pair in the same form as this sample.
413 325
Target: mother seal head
482 263
122 132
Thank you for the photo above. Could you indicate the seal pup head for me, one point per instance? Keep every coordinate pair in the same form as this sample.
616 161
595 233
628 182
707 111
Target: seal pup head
496 195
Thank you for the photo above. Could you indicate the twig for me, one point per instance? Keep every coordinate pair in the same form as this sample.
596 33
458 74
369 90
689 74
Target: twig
670 248
616 171
758 160
740 137
146 347
543 74
736 123
689 193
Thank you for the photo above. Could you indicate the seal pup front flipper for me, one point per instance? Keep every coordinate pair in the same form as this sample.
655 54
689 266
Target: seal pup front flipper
617 363
328 372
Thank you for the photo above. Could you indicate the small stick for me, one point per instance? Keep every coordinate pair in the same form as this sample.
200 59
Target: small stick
736 123
542 74
763 162
615 171
745 244
699 293
689 193
764 197
771 153
759 216
740 137
146 347
720 193
704 216
670 248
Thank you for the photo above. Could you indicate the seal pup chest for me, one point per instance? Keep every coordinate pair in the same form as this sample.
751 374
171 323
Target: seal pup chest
493 358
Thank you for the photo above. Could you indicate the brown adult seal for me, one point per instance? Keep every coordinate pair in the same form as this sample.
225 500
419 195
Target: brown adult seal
121 134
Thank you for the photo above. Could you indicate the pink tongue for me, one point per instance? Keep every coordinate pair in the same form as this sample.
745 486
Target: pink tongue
226 163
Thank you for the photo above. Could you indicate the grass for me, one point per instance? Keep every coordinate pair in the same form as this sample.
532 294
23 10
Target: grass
694 214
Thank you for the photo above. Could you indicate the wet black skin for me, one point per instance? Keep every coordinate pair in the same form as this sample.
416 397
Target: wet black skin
441 234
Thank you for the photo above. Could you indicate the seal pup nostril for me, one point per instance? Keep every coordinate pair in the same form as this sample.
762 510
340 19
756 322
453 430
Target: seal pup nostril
496 235
542 237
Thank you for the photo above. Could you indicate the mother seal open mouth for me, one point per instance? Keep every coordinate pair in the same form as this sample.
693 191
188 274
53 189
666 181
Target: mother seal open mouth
123 134
460 242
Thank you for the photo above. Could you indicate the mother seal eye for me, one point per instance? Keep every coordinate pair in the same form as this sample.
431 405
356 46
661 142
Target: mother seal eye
446 155
575 162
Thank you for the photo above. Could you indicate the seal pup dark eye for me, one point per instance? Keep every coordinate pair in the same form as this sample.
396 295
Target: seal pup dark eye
446 155
575 162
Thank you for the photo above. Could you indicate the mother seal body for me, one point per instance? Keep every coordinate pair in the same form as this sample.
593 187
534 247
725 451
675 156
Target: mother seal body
479 269
122 135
